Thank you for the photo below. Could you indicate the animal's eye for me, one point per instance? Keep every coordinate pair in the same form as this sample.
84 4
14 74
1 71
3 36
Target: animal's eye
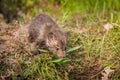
57 49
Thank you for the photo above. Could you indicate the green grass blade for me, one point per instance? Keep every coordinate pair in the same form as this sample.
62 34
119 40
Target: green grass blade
73 49
61 60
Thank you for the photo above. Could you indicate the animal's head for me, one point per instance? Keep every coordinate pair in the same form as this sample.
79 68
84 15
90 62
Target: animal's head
56 43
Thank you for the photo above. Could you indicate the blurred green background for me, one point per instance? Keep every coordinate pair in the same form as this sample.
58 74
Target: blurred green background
12 9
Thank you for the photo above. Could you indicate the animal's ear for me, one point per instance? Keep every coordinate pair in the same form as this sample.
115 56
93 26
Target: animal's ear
51 36
51 39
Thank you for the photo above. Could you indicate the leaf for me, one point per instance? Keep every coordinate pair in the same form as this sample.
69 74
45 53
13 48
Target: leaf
106 73
73 49
61 60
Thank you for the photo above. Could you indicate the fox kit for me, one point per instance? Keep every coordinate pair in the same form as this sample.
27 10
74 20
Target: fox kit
43 31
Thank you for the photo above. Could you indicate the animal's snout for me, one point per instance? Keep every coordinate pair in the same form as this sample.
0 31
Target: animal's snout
61 54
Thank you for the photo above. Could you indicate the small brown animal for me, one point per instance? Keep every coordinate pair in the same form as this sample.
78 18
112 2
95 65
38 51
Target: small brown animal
43 31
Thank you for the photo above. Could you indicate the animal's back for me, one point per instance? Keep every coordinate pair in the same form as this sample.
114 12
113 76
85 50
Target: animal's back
39 26
42 18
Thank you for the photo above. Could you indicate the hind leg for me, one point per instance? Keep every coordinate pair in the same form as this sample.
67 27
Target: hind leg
36 52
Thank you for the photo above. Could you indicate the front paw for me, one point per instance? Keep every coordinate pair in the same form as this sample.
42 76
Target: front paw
36 52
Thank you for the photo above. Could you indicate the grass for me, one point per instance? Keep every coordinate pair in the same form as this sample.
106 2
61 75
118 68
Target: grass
90 48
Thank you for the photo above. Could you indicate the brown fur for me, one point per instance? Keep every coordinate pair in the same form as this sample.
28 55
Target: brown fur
44 31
